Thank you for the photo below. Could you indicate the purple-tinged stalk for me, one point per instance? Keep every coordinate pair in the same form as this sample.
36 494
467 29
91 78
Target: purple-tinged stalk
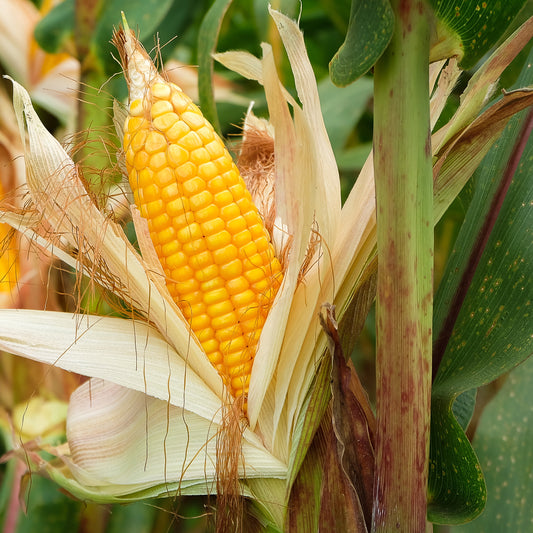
404 196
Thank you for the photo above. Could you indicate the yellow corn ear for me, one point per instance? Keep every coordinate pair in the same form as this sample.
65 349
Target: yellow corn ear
217 256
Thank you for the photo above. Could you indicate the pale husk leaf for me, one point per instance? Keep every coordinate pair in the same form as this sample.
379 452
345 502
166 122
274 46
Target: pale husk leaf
127 352
143 442
101 245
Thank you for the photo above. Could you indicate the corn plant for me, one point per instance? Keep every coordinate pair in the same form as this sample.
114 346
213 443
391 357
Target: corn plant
239 294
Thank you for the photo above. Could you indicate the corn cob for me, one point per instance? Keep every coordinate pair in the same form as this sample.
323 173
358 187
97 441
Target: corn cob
218 259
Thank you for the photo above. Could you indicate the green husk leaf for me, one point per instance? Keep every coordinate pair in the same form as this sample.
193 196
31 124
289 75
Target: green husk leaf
369 33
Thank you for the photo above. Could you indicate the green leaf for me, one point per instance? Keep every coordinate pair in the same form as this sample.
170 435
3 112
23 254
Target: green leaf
463 407
55 32
470 28
137 516
490 333
56 28
456 488
49 510
143 16
342 108
207 41
369 33
503 442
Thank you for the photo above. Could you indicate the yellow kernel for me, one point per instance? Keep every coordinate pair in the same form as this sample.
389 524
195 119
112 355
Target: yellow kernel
226 334
183 220
242 238
229 211
225 255
169 244
176 155
137 140
136 108
206 133
224 162
216 296
208 171
160 222
178 130
145 177
188 288
215 148
218 240
216 184
189 233
236 225
161 107
231 177
190 141
220 309
242 382
243 298
263 245
192 310
252 325
158 161
151 193
161 90
252 261
165 122
193 186
155 208
205 274
183 273
178 206
138 196
248 250
199 155
230 347
194 247
223 199
130 157
202 261
211 349
141 160
224 321
179 100
193 120
215 283
135 124
186 171
257 230
163 177
176 260
254 275
201 200
262 286
237 285
213 226
155 142
207 213
252 218
170 192
231 270
205 334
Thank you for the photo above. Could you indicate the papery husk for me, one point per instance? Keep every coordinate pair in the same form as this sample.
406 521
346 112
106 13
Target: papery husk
97 245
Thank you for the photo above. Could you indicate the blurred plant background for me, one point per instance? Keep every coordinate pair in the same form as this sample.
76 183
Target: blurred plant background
61 52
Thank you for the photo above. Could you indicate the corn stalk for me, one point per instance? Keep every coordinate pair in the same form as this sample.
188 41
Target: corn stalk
404 192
